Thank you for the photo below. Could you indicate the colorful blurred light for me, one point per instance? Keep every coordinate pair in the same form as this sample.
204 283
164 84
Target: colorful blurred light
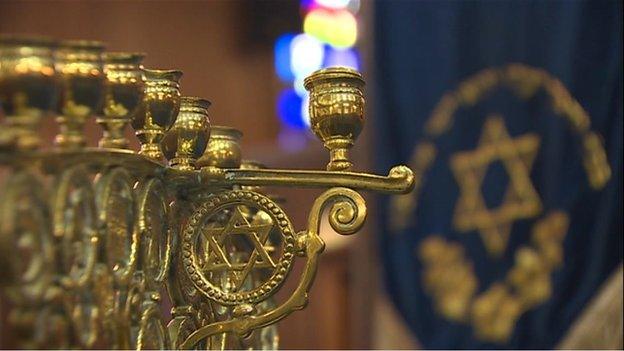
305 111
333 4
306 55
336 28
289 109
352 5
307 5
292 140
330 32
282 58
341 57
299 87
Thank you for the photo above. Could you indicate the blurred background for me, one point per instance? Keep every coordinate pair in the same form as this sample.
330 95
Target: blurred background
433 71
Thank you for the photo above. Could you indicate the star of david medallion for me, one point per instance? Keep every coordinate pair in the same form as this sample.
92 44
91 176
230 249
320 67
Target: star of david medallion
238 247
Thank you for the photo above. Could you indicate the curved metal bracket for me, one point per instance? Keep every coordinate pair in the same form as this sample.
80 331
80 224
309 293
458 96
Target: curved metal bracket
346 216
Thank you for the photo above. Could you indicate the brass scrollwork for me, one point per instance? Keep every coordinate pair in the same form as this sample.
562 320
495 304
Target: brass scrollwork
154 226
74 225
346 215
116 201
24 227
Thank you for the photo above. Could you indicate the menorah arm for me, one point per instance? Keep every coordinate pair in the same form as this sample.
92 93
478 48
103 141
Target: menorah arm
399 180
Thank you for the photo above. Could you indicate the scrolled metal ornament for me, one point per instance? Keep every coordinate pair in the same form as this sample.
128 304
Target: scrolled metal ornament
116 202
348 210
154 227
152 334
74 226
25 228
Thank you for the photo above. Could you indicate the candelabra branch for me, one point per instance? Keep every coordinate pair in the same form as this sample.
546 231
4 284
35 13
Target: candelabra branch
399 180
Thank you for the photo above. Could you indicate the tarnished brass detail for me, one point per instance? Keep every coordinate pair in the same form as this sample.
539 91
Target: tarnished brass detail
92 238
336 111
124 95
187 139
161 104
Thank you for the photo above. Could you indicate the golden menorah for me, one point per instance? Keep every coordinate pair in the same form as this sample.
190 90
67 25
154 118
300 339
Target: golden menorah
93 238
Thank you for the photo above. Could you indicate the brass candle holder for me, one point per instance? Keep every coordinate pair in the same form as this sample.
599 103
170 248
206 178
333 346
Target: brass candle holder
28 87
80 67
223 149
124 95
187 139
336 111
101 233
161 104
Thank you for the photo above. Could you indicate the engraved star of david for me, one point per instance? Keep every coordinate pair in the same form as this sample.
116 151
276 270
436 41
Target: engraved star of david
216 257
521 200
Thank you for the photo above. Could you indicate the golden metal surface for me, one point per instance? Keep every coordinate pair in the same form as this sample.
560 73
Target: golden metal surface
187 139
223 149
336 111
80 68
92 238
28 88
124 92
161 104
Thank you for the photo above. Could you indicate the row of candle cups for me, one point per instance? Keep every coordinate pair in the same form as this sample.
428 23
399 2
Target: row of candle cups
76 80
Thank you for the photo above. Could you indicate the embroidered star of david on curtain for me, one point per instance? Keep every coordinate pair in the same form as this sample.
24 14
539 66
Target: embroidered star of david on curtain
520 201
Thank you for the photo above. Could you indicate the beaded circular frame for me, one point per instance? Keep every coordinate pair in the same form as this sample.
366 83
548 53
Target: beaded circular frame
212 206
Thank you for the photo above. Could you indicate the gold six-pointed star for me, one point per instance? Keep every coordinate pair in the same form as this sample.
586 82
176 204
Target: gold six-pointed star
216 254
521 200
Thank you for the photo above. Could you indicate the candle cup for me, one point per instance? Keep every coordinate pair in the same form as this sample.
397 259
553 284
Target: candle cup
187 139
160 108
124 94
223 149
336 111
80 66
28 88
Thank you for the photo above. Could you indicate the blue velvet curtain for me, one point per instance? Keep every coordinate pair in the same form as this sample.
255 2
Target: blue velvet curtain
426 49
